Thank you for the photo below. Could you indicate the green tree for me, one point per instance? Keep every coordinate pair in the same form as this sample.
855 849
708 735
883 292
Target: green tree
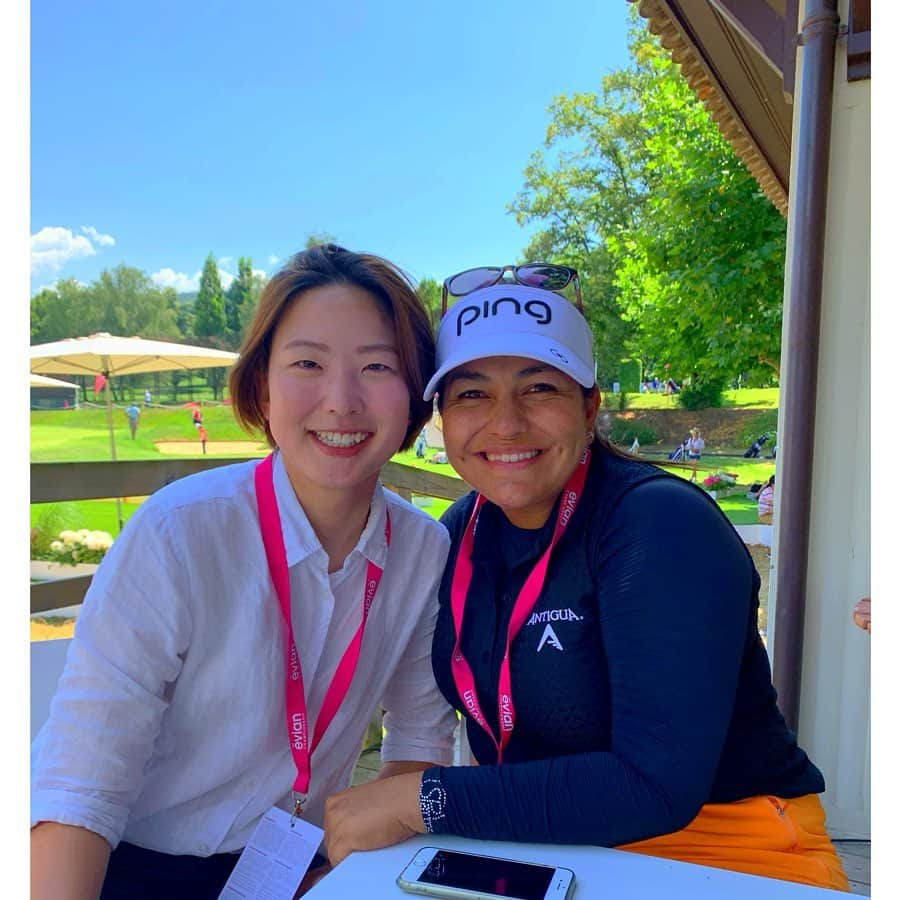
239 292
209 319
63 311
314 238
209 307
702 276
125 301
429 290
680 253
247 309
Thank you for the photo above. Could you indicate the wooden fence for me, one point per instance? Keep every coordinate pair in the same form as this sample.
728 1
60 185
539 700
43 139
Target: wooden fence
53 482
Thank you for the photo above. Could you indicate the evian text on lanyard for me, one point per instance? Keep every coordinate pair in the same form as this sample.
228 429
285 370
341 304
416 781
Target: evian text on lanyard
297 720
459 588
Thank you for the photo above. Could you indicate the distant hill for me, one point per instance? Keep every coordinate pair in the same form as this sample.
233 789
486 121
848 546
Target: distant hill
188 297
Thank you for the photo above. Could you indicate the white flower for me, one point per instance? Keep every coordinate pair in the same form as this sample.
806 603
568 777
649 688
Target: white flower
83 534
57 546
68 537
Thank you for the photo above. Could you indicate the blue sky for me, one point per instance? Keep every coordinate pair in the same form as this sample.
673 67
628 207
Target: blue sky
163 132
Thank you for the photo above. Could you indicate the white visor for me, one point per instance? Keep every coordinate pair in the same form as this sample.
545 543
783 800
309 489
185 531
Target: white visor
515 320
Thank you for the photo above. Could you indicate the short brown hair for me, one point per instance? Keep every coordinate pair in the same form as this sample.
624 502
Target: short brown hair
316 267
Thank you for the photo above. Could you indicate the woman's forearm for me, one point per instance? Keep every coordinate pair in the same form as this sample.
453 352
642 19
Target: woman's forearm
67 862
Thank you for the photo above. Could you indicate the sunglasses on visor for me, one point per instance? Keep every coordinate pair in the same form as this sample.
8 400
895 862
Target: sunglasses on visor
546 276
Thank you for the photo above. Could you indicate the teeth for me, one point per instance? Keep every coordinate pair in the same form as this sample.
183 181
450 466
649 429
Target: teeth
511 457
341 438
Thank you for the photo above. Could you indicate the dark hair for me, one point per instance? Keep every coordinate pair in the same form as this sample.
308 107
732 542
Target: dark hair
317 267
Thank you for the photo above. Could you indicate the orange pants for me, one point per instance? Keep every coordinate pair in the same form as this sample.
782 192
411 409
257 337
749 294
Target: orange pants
768 836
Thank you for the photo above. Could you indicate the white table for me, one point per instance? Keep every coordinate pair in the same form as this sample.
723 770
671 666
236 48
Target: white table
599 873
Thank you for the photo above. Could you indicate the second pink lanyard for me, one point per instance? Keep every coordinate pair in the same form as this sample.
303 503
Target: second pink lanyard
459 588
297 720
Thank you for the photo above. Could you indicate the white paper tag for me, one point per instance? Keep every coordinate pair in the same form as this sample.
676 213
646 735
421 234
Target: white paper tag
275 860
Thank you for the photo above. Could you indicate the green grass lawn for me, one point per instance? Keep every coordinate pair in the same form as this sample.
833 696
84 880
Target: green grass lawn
746 398
81 435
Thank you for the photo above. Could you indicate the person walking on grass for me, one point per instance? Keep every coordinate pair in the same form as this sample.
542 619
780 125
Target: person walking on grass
201 433
693 447
133 414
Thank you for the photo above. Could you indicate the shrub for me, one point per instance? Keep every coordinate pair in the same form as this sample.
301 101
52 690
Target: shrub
765 423
625 432
719 481
702 395
617 402
82 546
49 522
630 376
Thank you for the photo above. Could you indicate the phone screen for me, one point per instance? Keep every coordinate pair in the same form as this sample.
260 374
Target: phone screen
525 881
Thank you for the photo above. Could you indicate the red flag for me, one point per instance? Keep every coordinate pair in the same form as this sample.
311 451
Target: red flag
99 382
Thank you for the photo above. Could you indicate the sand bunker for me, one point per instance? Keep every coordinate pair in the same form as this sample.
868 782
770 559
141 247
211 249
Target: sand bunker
213 448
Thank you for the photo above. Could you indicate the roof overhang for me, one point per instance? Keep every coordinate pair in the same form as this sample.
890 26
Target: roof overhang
738 58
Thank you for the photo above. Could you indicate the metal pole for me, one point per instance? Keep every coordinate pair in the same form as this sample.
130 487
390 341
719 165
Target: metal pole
801 354
112 444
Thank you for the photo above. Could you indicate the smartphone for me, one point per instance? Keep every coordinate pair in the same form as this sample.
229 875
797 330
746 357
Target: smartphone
468 876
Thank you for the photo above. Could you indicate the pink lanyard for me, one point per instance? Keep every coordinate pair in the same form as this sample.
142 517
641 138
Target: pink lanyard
273 541
459 588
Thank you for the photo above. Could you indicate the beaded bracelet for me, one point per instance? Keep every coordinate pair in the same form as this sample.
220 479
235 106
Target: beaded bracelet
432 800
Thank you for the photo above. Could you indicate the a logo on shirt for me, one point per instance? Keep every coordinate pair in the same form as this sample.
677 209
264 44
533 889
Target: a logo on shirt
554 615
549 637
295 664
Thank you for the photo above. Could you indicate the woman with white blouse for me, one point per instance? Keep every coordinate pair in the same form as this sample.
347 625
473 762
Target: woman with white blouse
252 612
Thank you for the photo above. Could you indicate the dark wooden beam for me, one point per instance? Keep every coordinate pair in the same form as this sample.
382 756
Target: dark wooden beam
59 593
760 26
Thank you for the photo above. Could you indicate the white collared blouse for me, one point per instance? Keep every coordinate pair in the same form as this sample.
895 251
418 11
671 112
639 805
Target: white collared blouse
168 726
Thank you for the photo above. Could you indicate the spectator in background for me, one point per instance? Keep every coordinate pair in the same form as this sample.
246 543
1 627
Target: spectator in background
147 398
201 432
197 417
862 614
133 414
421 444
693 448
635 447
765 503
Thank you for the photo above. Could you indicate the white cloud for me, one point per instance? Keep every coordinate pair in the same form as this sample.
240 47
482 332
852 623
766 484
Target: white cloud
52 247
178 280
273 259
261 272
225 261
104 240
54 285
184 283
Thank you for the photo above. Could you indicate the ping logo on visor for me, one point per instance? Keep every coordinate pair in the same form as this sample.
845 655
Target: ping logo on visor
536 309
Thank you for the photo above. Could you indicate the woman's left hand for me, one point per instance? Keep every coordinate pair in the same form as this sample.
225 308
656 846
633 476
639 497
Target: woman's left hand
373 815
